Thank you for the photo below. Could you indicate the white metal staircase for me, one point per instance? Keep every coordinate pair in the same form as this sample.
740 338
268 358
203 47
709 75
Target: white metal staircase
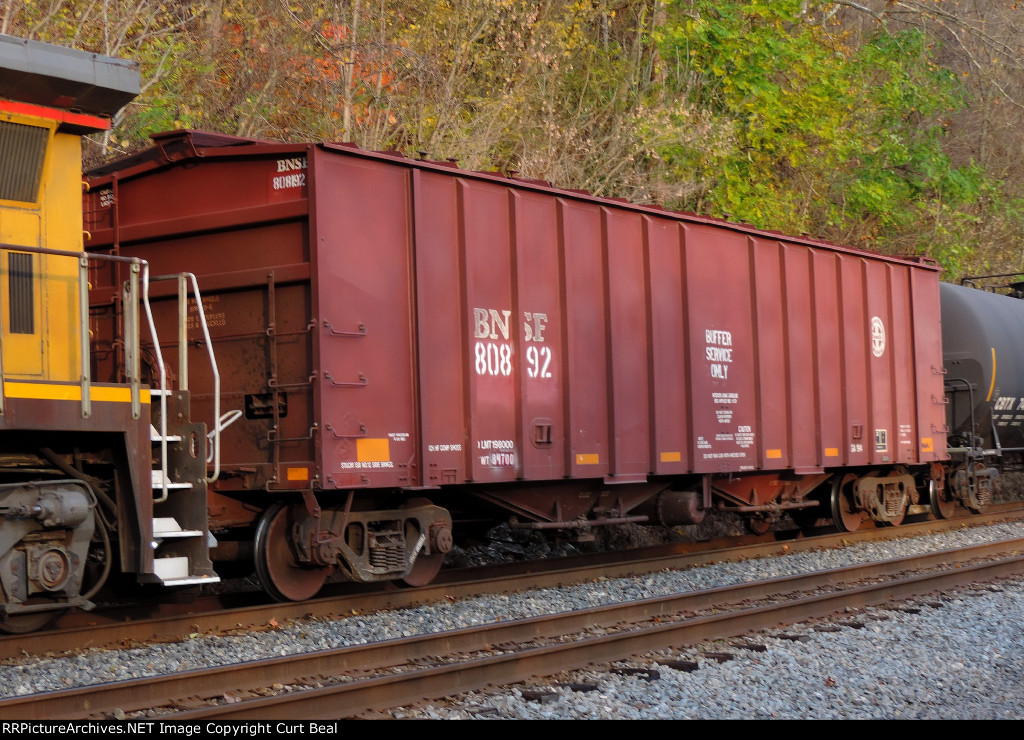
181 538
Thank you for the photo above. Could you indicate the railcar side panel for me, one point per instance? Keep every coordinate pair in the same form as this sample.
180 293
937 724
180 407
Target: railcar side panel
904 444
827 317
628 351
585 347
364 274
800 367
669 365
773 429
880 367
486 247
442 345
927 345
541 375
719 293
856 383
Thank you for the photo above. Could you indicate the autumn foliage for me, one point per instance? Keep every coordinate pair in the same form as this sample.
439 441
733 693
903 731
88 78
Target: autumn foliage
889 125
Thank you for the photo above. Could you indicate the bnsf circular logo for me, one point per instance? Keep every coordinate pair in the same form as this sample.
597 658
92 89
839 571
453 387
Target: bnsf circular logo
877 336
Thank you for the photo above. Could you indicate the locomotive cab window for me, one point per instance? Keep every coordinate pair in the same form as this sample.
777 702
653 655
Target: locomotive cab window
22 153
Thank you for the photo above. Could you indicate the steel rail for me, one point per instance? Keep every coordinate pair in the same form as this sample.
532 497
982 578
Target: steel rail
213 616
364 698
360 695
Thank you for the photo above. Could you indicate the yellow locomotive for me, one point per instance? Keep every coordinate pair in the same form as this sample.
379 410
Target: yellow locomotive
96 478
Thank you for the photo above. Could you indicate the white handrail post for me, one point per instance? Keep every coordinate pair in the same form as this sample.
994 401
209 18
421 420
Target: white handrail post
183 332
83 307
163 383
133 349
201 315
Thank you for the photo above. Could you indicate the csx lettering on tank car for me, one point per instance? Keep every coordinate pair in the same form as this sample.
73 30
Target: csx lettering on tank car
387 352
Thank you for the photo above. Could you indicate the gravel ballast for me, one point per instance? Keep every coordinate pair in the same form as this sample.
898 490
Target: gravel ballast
959 657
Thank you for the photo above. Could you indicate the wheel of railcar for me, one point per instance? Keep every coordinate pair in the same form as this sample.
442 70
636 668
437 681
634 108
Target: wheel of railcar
280 574
21 624
425 570
845 517
941 507
426 567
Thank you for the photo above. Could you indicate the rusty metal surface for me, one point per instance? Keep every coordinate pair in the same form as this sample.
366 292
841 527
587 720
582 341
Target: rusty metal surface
473 328
364 694
362 697
211 615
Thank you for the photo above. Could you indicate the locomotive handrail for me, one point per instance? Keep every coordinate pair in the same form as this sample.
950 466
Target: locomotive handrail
132 336
164 491
133 350
182 279
76 255
83 334
139 267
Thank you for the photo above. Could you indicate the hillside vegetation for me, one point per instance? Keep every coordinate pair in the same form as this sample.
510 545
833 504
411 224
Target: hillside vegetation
885 124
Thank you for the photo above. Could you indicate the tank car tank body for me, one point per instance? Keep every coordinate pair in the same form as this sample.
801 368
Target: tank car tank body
409 349
984 361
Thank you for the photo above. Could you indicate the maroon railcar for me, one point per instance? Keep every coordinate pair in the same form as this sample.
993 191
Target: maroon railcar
400 341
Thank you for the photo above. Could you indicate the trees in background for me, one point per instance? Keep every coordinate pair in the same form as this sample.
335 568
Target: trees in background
887 124
832 132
